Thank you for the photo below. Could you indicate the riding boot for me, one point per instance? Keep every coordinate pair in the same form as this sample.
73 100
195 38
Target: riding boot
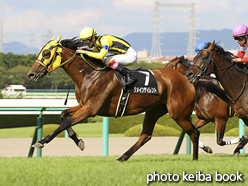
128 76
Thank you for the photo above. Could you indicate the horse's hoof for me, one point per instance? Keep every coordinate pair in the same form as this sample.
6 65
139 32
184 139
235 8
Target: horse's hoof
244 138
123 158
235 154
81 144
119 160
38 145
207 149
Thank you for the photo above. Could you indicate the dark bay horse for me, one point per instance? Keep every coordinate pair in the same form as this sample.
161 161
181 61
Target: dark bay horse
209 107
97 91
232 76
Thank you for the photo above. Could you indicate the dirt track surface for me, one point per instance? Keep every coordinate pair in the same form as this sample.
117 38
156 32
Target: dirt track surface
19 147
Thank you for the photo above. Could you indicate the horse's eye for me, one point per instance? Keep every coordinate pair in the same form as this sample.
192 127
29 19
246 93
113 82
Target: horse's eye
205 57
46 54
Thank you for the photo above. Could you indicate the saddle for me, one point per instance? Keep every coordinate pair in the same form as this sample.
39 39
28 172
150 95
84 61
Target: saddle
145 84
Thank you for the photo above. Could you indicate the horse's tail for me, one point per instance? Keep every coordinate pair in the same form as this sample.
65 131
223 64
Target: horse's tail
210 88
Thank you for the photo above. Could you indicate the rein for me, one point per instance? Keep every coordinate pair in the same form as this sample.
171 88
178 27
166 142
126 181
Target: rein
68 60
96 68
210 59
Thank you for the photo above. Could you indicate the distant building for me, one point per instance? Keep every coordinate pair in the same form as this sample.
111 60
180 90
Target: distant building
143 55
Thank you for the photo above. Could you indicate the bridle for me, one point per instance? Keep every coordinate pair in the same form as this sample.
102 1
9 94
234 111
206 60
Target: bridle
173 66
203 70
48 66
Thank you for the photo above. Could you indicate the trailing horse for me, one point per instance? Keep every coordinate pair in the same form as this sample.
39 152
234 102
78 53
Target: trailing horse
98 92
232 76
212 104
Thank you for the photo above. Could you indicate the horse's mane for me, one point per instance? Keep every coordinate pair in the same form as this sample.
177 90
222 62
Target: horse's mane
226 54
72 44
209 87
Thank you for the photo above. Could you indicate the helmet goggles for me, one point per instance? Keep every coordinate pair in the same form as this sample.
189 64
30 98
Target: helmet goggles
239 38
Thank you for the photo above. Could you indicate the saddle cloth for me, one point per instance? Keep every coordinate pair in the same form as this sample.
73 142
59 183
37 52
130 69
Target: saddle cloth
145 84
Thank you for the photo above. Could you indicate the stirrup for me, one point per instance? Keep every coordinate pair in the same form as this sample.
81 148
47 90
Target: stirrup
129 79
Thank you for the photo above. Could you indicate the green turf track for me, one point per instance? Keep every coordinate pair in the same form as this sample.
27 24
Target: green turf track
104 171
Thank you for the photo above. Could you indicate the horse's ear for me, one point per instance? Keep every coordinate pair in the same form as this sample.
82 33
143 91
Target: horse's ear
212 45
52 39
58 40
181 57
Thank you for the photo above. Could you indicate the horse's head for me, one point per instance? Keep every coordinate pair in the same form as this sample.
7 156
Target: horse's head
48 59
201 64
174 62
180 64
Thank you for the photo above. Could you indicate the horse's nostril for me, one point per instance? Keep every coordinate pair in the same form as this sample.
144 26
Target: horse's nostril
190 74
31 76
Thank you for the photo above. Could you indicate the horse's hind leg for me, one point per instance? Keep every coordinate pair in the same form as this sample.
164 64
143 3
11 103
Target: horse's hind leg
192 132
199 123
150 119
243 142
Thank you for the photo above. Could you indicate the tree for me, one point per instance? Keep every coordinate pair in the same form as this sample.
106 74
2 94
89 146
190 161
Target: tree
4 77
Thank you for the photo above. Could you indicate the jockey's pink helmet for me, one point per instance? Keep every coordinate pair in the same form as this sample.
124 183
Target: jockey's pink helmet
240 30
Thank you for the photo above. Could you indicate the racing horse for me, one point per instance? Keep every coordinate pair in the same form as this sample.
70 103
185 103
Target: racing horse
212 104
232 76
97 91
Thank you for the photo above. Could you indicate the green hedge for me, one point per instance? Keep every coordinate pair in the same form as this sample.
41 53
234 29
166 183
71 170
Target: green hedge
235 132
122 124
159 130
10 121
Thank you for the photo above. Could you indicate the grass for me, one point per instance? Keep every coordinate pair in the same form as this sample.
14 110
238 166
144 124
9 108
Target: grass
83 130
103 171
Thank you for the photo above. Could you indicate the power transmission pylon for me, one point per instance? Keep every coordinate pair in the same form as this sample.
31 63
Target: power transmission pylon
156 45
156 48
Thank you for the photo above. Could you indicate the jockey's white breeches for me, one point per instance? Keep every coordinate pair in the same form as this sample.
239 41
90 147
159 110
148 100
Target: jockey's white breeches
129 58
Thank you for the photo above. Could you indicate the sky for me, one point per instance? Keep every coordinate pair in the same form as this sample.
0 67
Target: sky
32 22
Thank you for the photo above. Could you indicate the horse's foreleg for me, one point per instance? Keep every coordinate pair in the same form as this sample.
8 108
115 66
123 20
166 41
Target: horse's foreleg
142 140
63 116
73 136
65 113
220 130
78 116
220 125
150 119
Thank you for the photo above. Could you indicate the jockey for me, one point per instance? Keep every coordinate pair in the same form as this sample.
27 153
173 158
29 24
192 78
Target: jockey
240 32
200 45
124 54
